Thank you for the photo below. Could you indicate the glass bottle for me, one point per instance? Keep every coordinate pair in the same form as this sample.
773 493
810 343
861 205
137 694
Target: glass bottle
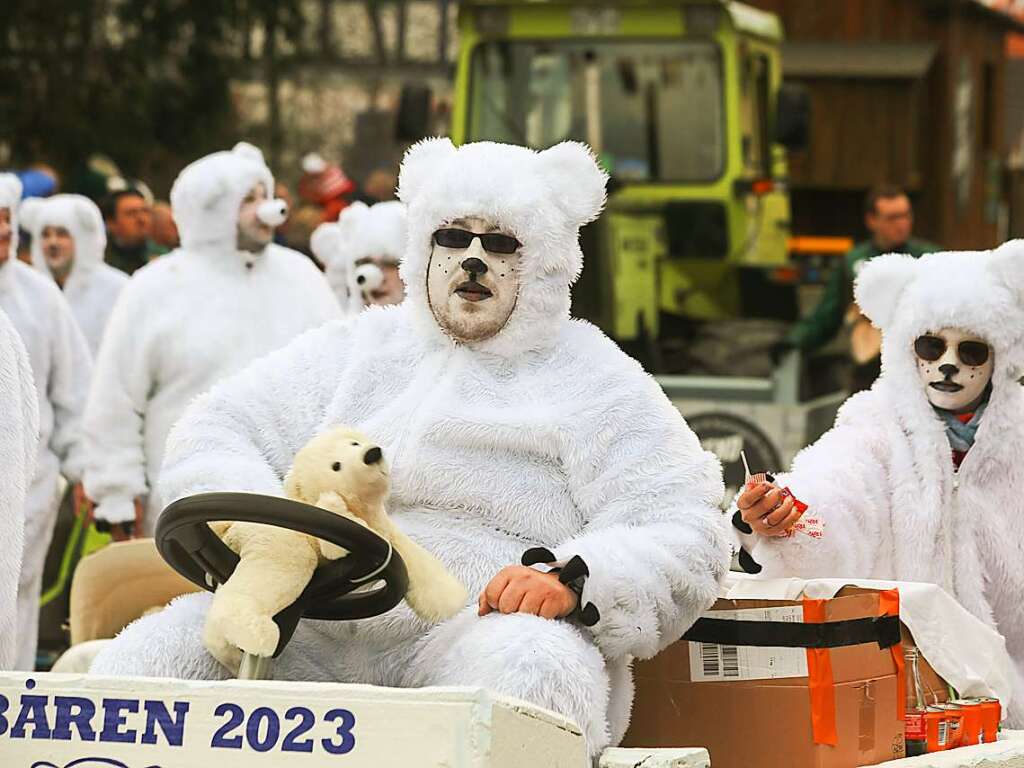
914 719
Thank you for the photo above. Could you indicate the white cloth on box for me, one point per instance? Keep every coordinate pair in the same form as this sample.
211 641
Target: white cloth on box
966 652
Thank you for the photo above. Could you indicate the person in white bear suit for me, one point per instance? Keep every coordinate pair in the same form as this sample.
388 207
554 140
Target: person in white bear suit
69 239
920 478
19 438
511 430
61 367
226 297
360 253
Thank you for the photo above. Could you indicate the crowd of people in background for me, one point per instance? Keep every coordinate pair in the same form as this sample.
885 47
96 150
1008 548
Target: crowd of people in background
108 292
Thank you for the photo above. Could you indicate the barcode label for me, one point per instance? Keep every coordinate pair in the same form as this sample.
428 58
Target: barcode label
719 661
943 732
710 662
730 661
710 659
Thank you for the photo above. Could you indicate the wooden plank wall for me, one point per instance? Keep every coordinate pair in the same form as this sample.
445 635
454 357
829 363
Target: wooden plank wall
865 131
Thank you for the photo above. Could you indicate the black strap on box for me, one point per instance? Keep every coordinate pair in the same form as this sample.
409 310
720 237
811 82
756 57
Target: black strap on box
884 630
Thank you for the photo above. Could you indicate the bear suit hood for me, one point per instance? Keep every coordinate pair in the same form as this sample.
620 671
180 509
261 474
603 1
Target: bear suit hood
981 292
207 194
541 198
10 198
362 231
79 216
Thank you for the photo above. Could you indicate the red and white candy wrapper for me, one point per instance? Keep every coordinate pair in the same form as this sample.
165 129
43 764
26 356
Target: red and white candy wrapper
809 525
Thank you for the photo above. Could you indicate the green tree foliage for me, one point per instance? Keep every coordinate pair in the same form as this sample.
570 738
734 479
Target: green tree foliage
145 82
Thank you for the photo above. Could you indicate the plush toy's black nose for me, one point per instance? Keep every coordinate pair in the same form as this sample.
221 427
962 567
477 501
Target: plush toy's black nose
948 370
474 266
373 456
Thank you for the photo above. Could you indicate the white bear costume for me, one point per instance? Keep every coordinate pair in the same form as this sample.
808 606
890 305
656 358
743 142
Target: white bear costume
187 320
882 479
93 286
374 232
19 437
61 367
544 434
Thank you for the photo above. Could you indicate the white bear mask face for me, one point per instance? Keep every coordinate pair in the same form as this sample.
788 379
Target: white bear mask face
472 291
955 367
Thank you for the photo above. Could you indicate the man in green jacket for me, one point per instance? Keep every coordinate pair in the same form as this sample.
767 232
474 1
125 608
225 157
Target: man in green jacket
129 219
889 218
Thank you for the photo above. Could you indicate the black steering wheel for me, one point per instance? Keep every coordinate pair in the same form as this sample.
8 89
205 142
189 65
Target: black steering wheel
369 581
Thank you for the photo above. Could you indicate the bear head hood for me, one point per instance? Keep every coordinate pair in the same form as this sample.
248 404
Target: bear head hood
376 232
980 292
207 194
541 198
75 213
10 198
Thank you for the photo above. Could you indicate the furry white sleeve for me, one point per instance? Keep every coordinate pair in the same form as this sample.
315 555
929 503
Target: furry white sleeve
843 480
244 433
19 442
115 471
67 390
654 538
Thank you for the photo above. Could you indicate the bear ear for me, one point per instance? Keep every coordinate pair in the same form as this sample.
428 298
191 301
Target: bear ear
292 488
249 152
421 165
29 213
351 217
10 189
880 284
1007 266
85 215
577 181
325 242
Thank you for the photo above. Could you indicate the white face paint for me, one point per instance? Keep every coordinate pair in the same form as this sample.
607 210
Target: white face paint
955 367
472 292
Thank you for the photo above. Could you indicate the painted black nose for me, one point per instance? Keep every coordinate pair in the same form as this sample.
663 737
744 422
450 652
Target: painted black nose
948 370
474 266
373 456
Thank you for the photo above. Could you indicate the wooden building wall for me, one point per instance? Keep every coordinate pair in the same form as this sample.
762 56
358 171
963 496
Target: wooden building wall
900 129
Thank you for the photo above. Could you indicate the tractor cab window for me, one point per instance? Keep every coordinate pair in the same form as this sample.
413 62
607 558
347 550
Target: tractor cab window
652 111
755 94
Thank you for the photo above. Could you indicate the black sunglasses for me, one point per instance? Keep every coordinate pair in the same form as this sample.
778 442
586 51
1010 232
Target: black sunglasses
931 348
460 239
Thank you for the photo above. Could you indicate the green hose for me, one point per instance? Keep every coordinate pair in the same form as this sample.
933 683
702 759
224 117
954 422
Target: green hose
83 540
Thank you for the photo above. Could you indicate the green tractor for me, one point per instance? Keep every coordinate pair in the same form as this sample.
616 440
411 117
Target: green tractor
689 269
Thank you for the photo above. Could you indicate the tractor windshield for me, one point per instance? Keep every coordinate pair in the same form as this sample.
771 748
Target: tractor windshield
653 111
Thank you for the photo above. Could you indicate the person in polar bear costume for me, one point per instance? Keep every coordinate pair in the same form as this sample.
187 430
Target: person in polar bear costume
68 242
61 368
513 430
226 297
343 472
919 479
19 437
360 253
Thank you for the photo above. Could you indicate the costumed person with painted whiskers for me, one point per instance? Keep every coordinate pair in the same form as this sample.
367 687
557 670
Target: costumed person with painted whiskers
61 368
920 478
517 438
227 296
360 253
68 244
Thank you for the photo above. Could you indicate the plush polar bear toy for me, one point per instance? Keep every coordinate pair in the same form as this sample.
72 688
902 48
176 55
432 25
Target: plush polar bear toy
343 472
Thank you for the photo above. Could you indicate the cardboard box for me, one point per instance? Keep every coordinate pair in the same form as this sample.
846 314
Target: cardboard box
752 706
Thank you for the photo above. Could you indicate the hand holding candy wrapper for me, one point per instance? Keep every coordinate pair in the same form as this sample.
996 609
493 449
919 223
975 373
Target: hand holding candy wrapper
773 511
